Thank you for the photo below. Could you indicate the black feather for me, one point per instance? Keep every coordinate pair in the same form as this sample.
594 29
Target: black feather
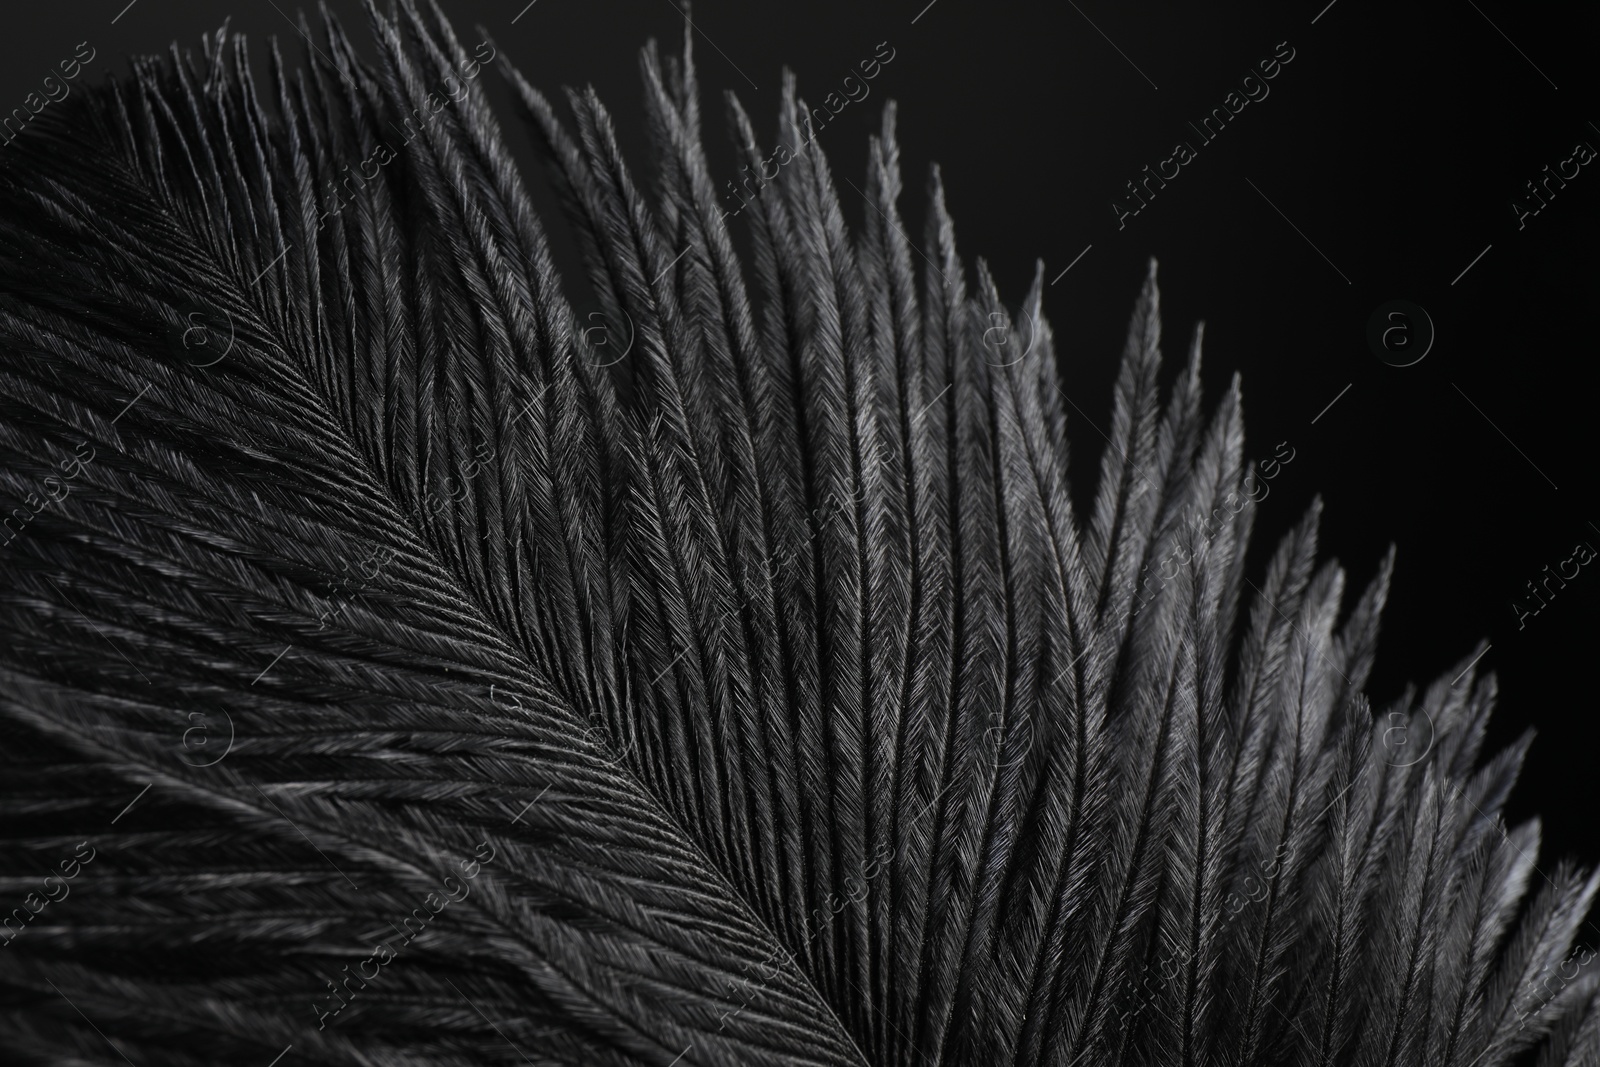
739 661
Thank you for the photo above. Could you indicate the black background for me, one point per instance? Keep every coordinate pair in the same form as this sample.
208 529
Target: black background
1394 141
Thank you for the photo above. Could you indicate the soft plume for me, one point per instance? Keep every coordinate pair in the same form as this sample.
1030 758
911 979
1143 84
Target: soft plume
804 718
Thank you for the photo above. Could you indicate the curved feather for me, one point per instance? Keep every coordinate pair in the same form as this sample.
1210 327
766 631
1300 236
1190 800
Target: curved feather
728 682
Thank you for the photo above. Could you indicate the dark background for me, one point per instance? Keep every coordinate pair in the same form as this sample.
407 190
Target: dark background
1394 141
